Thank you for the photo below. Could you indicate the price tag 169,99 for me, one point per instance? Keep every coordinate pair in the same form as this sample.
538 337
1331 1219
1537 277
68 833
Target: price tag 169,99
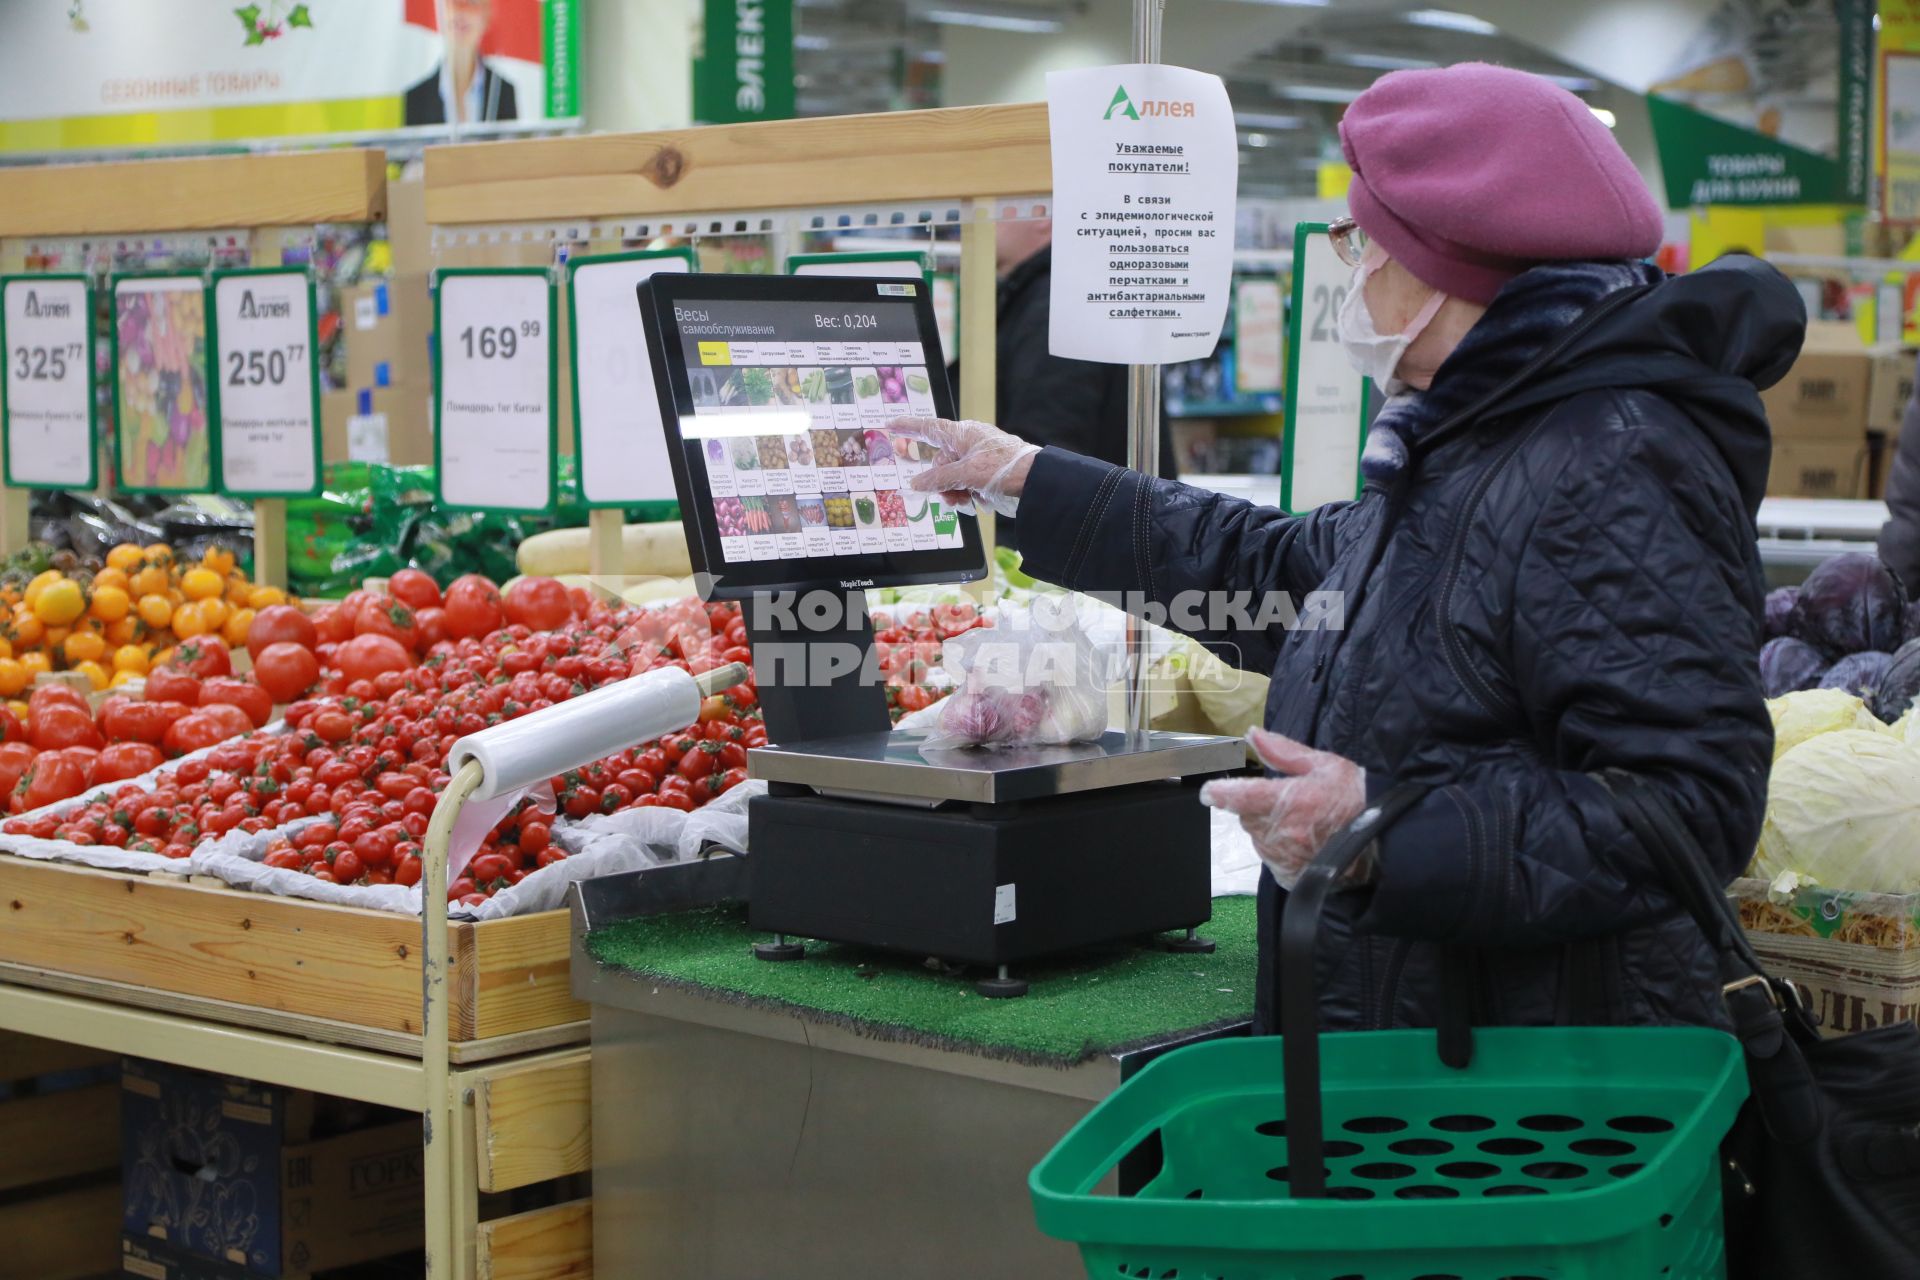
46 332
495 437
266 383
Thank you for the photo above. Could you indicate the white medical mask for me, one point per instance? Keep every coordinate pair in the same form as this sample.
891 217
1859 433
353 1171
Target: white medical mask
1375 354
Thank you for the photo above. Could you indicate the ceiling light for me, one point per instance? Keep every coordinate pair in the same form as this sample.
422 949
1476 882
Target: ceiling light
1604 116
1445 20
1383 62
1572 84
811 42
1265 120
992 21
1296 4
1317 92
1258 140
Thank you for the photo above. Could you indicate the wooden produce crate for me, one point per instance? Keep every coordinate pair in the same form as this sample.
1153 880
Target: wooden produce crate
1855 955
335 973
59 1160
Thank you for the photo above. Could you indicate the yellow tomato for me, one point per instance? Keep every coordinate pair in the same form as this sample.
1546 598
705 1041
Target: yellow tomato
96 675
189 622
219 559
239 591
155 610
125 631
6 649
202 584
126 557
60 603
13 676
130 657
110 604
110 578
235 630
35 662
160 658
41 581
19 709
264 596
84 646
149 581
158 553
123 677
28 630
215 611
57 638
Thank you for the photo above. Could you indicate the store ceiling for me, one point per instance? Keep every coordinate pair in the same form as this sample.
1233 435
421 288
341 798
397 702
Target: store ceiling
881 55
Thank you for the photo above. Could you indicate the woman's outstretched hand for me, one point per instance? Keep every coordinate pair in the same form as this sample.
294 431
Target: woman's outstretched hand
976 462
1292 816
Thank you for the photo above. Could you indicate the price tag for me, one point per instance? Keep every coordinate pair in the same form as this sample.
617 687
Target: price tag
1326 398
895 265
266 383
46 334
495 438
1257 323
617 432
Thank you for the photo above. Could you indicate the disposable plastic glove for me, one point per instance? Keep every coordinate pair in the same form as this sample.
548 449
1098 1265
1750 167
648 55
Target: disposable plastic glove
977 462
1290 818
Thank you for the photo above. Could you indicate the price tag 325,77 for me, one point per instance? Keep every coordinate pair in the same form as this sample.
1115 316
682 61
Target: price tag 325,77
266 384
494 430
46 332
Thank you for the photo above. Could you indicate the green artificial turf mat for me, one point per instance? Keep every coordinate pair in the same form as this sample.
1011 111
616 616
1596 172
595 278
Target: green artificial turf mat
1093 1002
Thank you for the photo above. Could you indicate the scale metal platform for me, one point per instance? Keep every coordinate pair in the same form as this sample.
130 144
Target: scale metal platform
895 767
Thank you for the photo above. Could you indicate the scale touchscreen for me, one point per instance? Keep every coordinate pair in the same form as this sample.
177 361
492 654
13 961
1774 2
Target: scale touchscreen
791 402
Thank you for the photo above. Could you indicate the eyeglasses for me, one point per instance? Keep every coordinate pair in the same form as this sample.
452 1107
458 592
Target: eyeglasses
1349 241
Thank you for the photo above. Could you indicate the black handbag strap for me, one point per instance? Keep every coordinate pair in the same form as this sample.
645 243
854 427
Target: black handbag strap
1767 1015
1299 998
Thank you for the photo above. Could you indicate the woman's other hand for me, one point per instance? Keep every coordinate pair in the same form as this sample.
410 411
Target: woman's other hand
976 462
1291 817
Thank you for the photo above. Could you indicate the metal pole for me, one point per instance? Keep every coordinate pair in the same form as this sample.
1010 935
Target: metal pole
1143 411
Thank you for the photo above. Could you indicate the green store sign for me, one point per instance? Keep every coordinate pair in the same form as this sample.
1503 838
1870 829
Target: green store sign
744 70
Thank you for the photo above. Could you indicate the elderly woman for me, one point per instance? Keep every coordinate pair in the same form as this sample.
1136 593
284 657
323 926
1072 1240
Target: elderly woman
1550 574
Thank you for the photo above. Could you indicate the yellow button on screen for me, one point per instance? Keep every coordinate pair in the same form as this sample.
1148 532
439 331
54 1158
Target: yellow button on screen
715 353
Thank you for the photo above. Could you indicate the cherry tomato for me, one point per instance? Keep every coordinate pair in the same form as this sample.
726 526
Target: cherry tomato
346 867
332 726
699 761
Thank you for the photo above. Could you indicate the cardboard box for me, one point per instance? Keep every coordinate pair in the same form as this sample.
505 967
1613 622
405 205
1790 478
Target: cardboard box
1889 389
1824 395
409 413
218 1172
1818 469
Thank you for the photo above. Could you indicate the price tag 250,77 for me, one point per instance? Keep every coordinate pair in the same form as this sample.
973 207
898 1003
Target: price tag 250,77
46 333
267 387
495 434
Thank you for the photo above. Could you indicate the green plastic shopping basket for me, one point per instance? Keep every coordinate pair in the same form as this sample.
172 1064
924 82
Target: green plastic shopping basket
1538 1154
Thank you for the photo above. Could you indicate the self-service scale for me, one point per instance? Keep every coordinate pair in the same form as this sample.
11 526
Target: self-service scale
775 394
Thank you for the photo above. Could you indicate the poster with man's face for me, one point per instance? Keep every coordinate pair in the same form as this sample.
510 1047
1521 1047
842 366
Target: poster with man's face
117 73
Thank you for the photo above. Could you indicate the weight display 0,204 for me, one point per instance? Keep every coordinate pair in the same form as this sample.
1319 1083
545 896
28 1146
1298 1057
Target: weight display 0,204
45 364
490 343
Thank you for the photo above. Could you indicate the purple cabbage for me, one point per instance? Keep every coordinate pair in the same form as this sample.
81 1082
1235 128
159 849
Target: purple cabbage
1788 665
1900 685
1849 604
1860 674
1780 609
1912 629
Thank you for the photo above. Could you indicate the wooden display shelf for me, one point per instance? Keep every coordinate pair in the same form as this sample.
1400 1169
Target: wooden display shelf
59 1161
955 153
281 956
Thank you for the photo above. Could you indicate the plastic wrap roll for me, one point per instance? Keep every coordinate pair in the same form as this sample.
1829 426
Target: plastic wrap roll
522 752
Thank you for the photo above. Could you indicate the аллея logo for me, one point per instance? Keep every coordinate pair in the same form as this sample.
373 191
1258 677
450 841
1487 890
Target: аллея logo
1121 103
50 309
1150 107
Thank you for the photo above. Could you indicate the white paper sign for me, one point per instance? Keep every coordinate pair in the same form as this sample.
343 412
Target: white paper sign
495 415
1146 167
45 328
1257 324
622 446
1326 414
268 388
905 266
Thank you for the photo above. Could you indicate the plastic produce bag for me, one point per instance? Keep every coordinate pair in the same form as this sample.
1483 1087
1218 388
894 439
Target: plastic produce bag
1034 678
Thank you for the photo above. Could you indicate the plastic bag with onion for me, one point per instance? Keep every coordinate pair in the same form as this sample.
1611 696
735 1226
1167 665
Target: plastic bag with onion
1033 678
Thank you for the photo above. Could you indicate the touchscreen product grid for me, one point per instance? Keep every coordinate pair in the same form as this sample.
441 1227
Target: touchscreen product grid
798 459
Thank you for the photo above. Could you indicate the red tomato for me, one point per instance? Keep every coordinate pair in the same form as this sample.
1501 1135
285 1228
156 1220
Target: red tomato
202 728
126 760
285 670
473 607
14 759
333 726
204 656
280 624
125 720
414 588
430 625
385 616
173 684
58 725
346 867
699 761
255 701
11 730
366 656
53 777
54 694
332 624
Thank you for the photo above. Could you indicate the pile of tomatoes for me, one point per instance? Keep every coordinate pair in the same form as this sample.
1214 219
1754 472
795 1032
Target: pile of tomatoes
908 649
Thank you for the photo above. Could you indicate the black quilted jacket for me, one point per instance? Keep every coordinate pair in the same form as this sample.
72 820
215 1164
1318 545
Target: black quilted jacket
1560 578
